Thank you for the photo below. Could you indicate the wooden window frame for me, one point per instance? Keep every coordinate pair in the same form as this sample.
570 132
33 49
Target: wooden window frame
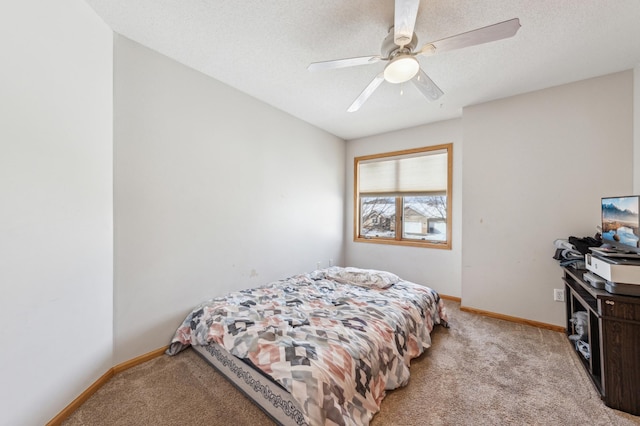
398 240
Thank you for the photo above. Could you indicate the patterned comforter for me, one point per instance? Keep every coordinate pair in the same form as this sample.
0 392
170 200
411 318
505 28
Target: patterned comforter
336 339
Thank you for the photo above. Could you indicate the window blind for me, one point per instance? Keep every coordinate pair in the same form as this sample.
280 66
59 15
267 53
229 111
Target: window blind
416 174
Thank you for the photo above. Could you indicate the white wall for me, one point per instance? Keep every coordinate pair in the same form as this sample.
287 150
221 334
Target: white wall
56 216
436 268
535 168
214 191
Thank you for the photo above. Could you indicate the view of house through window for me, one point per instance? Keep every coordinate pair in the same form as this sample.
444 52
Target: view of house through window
404 197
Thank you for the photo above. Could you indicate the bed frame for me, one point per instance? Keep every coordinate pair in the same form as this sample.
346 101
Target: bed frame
272 398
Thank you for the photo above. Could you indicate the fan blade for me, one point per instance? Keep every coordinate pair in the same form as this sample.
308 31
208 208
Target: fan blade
343 63
405 15
482 35
428 88
366 93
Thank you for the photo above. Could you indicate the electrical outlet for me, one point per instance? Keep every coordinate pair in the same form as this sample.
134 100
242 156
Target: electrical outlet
330 262
318 265
558 294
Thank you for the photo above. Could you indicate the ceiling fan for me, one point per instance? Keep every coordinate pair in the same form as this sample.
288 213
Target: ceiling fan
398 49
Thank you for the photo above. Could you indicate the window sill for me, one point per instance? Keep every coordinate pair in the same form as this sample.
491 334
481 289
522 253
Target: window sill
408 243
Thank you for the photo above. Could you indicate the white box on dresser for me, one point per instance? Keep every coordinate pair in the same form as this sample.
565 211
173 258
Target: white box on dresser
616 270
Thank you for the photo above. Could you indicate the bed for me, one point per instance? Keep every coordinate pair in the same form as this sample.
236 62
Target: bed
320 348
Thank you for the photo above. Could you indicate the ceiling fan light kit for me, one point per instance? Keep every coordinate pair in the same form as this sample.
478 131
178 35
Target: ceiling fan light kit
401 69
398 48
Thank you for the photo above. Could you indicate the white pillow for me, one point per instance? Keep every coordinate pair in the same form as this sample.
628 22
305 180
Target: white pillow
362 277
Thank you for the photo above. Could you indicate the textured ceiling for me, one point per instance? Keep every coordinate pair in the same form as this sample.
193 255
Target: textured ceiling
263 48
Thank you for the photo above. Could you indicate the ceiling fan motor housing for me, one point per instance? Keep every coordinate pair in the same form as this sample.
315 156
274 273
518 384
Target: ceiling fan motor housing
389 47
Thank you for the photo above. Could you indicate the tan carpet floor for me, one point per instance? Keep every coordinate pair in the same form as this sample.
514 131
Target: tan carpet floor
480 371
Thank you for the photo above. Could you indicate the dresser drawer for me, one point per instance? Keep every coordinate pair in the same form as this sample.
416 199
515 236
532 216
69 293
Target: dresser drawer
621 310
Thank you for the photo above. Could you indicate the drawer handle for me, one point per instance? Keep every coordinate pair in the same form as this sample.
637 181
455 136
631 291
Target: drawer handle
609 302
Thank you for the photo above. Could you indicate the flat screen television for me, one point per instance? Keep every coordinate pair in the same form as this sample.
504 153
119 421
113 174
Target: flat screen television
620 222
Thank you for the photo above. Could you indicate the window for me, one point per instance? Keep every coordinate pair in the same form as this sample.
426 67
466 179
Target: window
404 197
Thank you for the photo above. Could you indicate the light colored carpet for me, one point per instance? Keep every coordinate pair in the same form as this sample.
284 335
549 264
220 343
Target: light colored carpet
480 371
